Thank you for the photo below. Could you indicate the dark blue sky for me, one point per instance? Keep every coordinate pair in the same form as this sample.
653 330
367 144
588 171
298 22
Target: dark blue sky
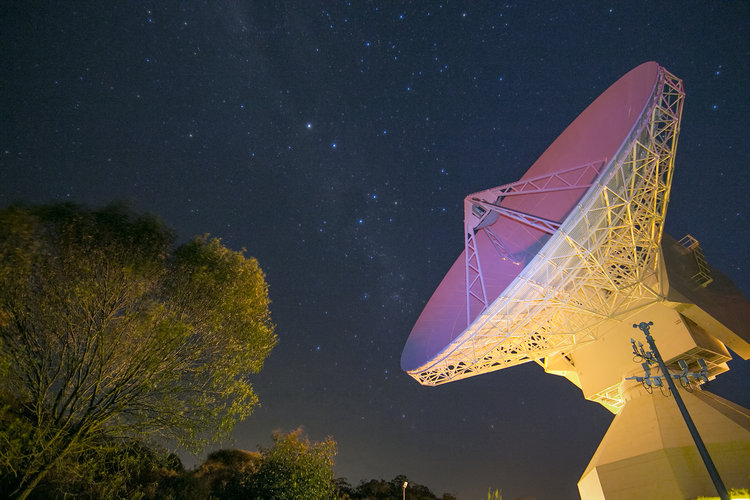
336 141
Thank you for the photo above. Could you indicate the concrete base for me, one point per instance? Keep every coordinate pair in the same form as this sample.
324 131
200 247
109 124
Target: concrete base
648 452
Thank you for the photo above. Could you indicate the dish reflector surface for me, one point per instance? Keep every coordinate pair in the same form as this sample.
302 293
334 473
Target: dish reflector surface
530 211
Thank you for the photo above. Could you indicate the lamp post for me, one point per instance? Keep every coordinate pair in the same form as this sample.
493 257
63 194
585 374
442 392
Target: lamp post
718 484
403 489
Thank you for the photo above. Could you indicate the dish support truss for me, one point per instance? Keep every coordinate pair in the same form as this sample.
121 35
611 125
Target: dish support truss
601 263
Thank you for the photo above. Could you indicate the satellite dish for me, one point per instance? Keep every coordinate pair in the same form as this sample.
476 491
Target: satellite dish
559 265
533 247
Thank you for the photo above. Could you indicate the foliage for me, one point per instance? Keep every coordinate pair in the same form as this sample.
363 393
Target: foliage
378 489
115 469
226 473
494 495
106 333
294 468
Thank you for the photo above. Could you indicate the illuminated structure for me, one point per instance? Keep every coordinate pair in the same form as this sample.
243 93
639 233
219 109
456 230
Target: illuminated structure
559 265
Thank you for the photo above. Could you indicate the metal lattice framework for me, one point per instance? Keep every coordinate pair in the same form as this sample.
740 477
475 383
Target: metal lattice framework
602 262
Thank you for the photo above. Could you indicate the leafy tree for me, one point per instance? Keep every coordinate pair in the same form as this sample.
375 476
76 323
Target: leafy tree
116 469
227 472
294 468
378 489
342 489
106 333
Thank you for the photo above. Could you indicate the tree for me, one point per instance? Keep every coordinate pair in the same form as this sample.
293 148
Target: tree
107 332
342 490
117 469
294 468
376 489
226 473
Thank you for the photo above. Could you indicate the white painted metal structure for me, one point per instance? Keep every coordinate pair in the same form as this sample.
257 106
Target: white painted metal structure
600 263
559 266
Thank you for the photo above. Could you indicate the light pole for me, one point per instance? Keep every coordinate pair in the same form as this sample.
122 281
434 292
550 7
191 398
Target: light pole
710 467
403 489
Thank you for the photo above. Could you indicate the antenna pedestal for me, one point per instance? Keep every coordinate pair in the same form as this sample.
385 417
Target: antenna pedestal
648 451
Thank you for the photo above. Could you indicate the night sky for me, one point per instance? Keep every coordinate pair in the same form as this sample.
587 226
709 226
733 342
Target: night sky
336 141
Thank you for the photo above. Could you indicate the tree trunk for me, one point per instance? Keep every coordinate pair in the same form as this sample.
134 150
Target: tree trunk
22 492
35 478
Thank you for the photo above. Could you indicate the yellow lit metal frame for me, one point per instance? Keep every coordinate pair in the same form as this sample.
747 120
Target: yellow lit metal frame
600 264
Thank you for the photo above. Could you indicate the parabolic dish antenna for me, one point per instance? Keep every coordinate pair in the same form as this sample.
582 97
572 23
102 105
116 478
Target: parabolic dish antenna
558 266
572 243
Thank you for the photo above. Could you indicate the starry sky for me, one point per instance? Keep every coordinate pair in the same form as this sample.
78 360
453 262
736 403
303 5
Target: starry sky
335 141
